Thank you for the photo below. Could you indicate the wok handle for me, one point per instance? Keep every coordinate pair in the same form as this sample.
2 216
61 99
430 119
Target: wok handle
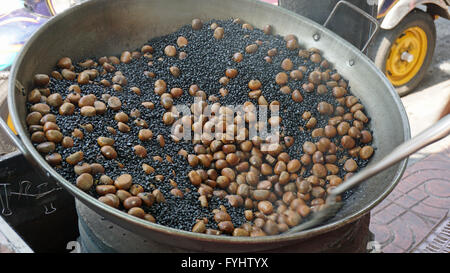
360 11
434 133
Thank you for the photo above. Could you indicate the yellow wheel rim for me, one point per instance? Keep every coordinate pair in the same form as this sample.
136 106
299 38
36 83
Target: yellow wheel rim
11 125
406 56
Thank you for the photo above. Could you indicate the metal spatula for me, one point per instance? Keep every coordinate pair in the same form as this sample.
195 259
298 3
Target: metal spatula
434 133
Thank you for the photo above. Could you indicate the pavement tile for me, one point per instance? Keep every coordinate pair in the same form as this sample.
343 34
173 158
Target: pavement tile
430 164
437 241
402 236
430 174
434 166
409 183
444 155
388 214
439 158
437 202
438 187
405 201
417 225
381 206
418 193
426 210
391 248
381 232
394 195
411 210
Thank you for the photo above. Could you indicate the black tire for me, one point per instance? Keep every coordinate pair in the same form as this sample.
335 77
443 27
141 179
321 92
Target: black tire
381 46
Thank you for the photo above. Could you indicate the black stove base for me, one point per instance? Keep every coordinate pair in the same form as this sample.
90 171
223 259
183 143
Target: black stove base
40 211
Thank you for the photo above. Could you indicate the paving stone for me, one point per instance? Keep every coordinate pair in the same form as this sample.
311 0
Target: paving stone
437 202
419 202
431 163
438 241
409 183
426 210
438 187
418 193
395 194
388 214
382 205
402 235
381 232
434 173
391 248
417 225
405 201
420 177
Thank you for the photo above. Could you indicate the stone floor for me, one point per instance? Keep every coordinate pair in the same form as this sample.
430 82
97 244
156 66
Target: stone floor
419 203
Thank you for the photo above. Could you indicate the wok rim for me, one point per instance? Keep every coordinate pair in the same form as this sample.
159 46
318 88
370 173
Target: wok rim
119 216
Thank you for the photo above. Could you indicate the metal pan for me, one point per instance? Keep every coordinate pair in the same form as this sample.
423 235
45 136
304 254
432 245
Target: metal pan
104 27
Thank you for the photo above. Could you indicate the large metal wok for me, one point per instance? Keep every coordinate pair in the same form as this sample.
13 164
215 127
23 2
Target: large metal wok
106 27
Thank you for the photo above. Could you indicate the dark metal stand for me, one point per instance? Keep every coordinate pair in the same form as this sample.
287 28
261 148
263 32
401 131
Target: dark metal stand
42 213
347 23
